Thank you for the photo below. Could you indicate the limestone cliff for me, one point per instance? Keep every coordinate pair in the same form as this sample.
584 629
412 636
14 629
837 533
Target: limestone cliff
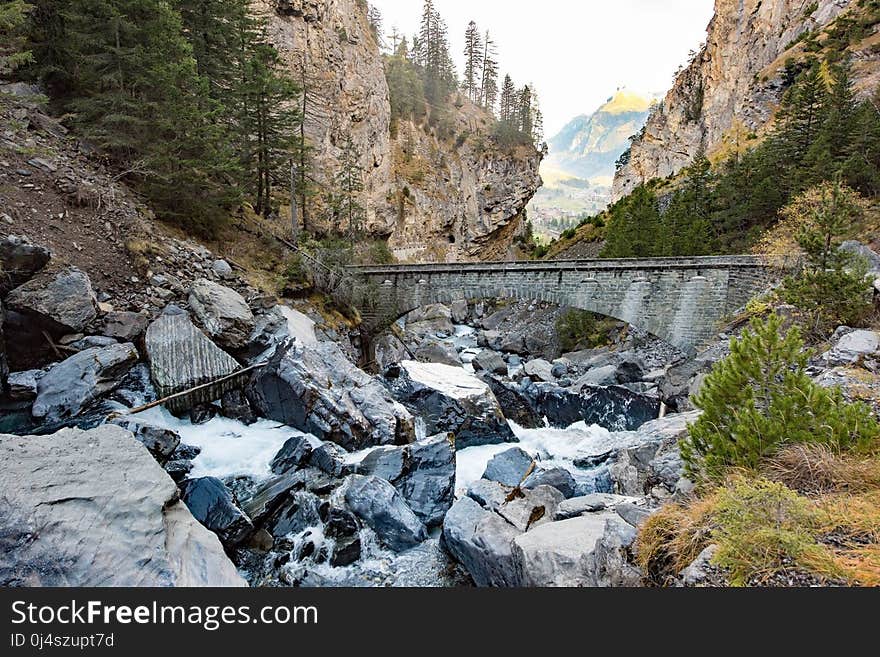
735 82
446 199
462 197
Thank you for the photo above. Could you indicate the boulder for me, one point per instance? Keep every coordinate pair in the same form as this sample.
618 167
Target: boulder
699 572
431 321
489 494
235 406
509 467
863 251
212 504
22 386
540 369
450 401
631 369
70 387
515 400
491 362
654 463
614 408
297 512
853 347
342 526
578 506
388 350
294 454
181 358
482 542
531 508
4 361
223 270
161 442
93 508
223 313
259 504
126 326
600 376
383 509
675 387
19 261
438 352
573 553
62 300
424 473
559 478
329 458
317 390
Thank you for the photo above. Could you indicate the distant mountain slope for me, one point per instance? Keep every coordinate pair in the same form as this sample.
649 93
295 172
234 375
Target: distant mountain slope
589 145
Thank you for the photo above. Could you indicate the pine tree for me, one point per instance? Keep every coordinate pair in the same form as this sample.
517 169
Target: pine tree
489 75
508 100
348 186
524 110
537 120
686 223
634 226
13 50
760 398
473 53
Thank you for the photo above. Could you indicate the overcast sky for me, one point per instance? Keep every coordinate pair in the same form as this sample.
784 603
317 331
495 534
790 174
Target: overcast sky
577 52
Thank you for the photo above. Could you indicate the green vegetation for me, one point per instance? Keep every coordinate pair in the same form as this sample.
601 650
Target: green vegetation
760 399
186 98
13 51
822 133
580 329
833 289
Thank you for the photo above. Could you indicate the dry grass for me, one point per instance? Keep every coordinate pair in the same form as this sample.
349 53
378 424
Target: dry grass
816 469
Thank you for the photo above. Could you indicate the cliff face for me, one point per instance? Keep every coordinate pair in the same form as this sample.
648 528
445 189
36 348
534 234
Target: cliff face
440 199
460 198
734 83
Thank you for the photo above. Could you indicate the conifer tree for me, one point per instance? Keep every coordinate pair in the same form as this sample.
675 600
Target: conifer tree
508 100
345 199
760 398
13 49
489 75
473 53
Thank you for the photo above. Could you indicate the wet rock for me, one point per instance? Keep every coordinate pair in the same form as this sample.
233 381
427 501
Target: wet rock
126 326
509 467
383 509
655 462
62 300
424 473
559 478
450 401
161 442
515 402
179 470
491 362
614 408
70 387
481 541
294 454
19 261
22 386
92 341
317 390
438 352
181 358
4 361
329 458
235 406
531 508
296 513
223 313
388 350
261 503
212 504
202 413
93 508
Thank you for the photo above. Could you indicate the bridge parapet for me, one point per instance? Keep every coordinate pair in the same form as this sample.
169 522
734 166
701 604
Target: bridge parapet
681 300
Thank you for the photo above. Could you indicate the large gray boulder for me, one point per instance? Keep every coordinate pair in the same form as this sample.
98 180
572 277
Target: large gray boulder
93 508
587 551
510 467
450 401
383 509
181 357
491 362
63 300
424 473
438 352
481 541
530 508
19 261
212 504
654 465
431 321
223 313
70 387
852 347
124 325
317 390
615 408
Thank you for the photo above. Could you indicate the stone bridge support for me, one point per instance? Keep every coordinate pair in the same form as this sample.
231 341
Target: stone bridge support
681 300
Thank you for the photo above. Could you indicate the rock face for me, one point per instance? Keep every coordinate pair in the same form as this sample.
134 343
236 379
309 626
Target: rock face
455 198
181 357
733 85
317 390
223 313
62 300
19 261
382 508
69 387
450 401
92 508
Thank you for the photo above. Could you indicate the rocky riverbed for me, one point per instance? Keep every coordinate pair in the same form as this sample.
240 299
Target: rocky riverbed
478 454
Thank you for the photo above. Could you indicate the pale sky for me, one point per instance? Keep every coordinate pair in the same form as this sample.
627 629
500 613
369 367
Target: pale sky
577 53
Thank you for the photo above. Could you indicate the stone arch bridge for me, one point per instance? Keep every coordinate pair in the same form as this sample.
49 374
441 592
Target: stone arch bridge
681 300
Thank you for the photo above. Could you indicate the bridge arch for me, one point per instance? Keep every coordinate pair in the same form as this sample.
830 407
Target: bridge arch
680 300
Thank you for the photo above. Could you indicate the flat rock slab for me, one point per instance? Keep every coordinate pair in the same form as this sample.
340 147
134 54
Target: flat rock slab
93 508
182 357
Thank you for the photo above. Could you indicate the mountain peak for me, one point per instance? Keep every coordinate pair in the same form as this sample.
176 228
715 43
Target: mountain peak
625 101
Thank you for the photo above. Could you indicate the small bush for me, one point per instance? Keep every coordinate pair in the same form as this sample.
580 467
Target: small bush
760 399
580 329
